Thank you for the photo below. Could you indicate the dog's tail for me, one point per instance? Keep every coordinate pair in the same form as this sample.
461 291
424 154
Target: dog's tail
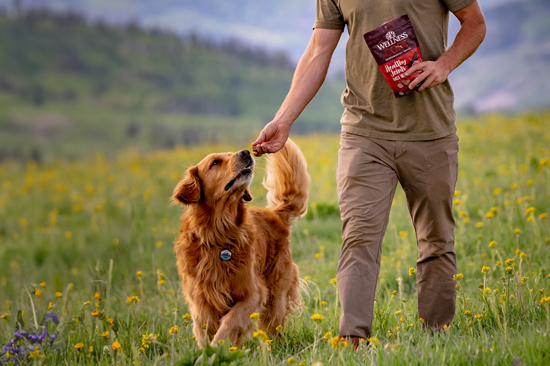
287 182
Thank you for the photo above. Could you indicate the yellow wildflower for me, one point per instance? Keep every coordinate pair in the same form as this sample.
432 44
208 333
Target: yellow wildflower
492 244
412 271
523 279
255 316
487 291
374 340
174 330
132 300
139 274
317 318
478 316
485 269
58 294
326 336
497 191
479 224
37 292
260 334
105 334
544 300
542 216
78 345
338 342
5 316
291 361
97 296
458 276
489 215
517 231
333 281
186 316
468 313
42 284
233 349
116 345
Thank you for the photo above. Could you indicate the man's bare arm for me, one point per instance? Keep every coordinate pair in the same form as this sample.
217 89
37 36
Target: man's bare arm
471 34
308 78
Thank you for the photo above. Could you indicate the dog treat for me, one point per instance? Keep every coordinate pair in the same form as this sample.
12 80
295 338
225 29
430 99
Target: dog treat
395 48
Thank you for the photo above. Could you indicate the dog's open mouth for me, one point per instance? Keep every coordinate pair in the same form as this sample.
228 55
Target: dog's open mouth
246 171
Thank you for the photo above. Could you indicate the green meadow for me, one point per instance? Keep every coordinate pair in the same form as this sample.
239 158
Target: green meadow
90 241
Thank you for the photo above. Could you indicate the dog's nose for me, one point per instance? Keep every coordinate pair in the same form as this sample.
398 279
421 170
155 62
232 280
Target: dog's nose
243 153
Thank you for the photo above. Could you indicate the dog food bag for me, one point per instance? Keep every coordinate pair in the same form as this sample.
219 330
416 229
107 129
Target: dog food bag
395 48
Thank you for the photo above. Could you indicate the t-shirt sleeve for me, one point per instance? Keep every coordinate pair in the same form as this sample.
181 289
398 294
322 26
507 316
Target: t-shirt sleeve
455 5
328 15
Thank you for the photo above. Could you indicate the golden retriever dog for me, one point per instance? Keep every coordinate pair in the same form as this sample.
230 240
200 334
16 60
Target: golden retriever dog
235 260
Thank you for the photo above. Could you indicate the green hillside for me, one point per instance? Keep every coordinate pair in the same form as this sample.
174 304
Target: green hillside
68 88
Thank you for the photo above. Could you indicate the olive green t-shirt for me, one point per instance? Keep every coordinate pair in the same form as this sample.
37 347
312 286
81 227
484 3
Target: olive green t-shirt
370 107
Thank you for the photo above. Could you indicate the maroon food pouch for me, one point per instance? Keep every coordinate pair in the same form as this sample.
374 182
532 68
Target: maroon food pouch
395 48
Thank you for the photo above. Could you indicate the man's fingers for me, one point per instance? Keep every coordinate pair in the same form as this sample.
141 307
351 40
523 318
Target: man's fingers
256 150
418 80
427 83
415 68
260 138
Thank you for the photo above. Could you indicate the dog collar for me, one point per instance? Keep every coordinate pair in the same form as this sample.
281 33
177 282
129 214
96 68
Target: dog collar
225 255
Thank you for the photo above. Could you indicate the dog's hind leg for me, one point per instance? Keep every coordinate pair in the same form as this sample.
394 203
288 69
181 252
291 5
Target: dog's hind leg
237 323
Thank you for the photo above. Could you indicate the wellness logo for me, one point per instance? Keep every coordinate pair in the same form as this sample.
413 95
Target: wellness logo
392 39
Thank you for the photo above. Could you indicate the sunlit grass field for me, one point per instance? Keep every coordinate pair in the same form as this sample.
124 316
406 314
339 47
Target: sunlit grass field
91 242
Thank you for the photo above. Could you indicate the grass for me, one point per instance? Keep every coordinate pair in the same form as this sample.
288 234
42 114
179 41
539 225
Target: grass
81 238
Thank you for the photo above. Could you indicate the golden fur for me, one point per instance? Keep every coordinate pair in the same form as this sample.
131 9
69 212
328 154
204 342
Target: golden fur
260 276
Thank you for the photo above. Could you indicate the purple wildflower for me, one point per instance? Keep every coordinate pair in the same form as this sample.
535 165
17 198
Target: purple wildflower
43 336
53 316
7 347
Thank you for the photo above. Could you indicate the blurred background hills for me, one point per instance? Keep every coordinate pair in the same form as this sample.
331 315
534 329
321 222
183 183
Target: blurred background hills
78 76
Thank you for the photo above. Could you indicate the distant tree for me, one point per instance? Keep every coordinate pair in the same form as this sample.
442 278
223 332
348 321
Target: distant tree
37 95
132 129
36 155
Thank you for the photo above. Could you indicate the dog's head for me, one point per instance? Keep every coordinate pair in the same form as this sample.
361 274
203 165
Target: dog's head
218 177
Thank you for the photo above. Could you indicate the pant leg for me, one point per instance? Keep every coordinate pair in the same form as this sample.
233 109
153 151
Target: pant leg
428 172
366 185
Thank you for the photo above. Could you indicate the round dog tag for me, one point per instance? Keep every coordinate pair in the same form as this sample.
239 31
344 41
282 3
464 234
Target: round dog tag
225 255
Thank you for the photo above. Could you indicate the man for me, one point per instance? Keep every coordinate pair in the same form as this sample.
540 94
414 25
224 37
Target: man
384 139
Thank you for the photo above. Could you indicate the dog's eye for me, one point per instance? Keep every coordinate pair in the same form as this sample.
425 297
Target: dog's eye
215 162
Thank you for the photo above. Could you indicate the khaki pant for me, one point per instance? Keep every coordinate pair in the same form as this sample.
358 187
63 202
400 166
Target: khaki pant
367 175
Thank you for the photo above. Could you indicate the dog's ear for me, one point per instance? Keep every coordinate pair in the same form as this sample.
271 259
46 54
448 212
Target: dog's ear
247 196
188 189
